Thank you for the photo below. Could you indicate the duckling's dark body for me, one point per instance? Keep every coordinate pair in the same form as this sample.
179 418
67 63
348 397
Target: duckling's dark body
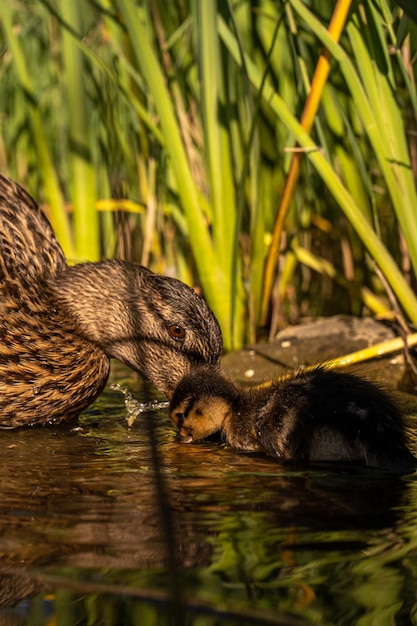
60 325
317 415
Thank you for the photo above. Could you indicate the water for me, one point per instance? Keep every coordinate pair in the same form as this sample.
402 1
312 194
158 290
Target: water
100 526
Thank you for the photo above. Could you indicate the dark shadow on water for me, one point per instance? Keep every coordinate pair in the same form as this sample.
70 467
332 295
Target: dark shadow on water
99 522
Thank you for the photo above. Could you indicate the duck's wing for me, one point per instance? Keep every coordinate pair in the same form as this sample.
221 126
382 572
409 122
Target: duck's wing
48 373
29 251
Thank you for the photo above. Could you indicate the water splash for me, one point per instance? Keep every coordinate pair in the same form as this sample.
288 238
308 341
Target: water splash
134 408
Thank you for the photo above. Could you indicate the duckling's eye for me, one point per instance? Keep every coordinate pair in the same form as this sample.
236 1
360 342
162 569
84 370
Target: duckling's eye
179 420
176 332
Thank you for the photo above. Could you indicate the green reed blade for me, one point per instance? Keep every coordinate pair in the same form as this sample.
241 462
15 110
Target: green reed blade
80 129
59 218
368 236
214 280
215 134
380 115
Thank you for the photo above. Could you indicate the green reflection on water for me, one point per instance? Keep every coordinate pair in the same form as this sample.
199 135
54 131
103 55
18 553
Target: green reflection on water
86 517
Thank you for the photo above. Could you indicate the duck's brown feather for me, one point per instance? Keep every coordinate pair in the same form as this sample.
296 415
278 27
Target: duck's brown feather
47 372
29 248
60 325
44 373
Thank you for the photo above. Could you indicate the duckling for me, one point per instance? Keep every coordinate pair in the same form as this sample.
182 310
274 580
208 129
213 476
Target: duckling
60 325
317 415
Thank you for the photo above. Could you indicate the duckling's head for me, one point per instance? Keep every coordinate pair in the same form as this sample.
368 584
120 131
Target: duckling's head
201 404
155 324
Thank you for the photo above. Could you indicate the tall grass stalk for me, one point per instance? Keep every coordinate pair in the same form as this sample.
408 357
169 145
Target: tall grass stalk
369 237
307 119
49 175
207 257
80 129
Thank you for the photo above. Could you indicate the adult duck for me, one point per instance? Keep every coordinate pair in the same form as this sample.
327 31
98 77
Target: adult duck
317 415
60 325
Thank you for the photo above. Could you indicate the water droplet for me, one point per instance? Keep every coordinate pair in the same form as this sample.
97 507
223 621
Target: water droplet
134 407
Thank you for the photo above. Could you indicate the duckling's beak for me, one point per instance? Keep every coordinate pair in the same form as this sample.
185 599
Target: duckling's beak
183 438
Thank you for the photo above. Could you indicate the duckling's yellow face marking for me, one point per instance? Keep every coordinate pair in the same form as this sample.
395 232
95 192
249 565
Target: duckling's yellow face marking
198 418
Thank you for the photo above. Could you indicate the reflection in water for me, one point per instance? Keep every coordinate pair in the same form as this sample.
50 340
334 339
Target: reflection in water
90 526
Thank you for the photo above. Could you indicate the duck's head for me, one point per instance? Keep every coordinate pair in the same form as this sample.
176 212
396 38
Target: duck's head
201 404
156 325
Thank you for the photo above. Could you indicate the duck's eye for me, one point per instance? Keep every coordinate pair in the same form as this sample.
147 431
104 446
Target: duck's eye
176 332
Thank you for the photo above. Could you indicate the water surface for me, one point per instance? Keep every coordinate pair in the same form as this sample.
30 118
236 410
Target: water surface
103 524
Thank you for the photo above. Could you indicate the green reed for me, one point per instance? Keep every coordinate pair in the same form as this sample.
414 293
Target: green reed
190 110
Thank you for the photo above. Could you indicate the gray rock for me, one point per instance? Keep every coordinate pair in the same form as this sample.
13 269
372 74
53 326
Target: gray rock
315 342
